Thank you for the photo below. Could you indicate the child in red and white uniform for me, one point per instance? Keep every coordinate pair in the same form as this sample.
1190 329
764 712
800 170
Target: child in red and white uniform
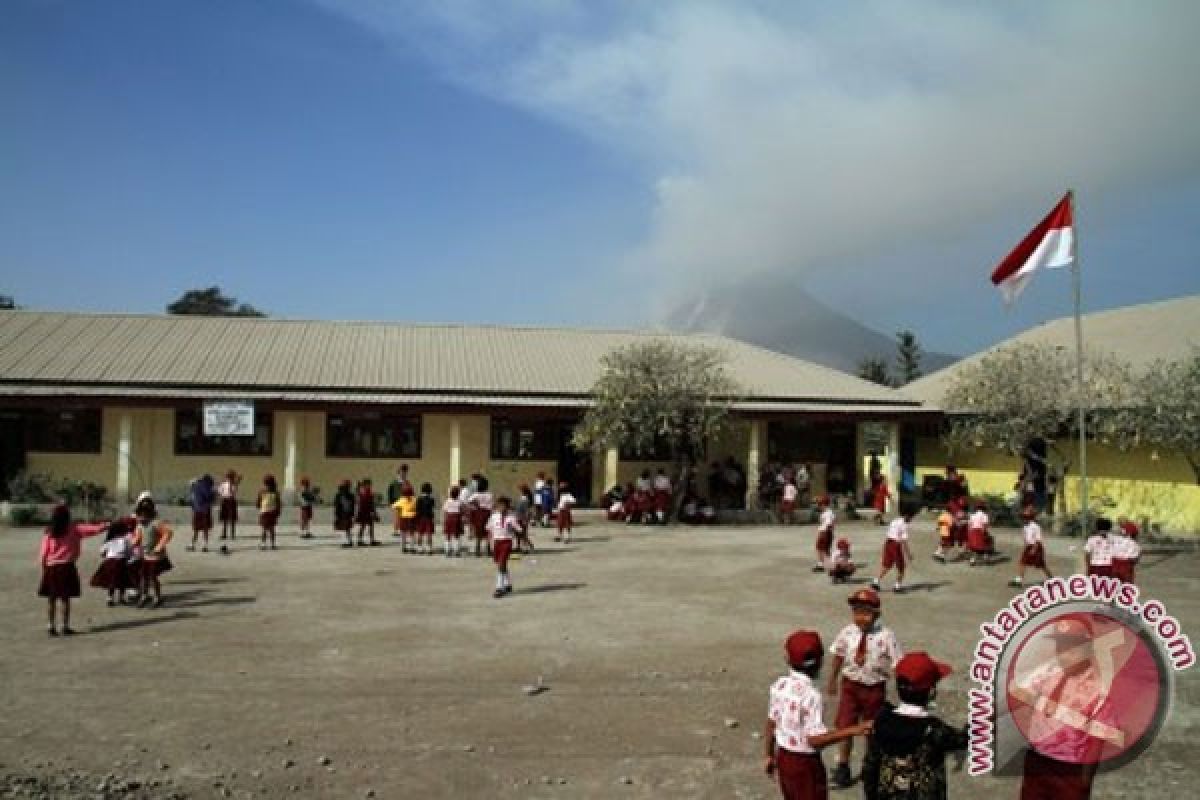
895 551
841 564
482 502
59 550
269 504
114 574
795 730
426 509
1125 550
365 514
945 531
562 515
787 505
540 511
1098 551
979 535
452 523
864 655
503 528
307 499
228 506
825 525
1033 554
662 496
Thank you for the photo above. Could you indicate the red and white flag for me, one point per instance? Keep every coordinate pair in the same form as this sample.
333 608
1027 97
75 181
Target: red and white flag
1051 244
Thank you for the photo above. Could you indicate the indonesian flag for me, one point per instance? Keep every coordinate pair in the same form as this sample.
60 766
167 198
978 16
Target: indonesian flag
1051 244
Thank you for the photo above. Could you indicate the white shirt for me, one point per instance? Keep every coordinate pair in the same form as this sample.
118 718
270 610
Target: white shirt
643 484
802 476
662 483
565 501
826 521
226 488
464 495
503 526
882 654
483 500
1033 533
911 711
617 507
119 547
1099 550
538 485
452 506
1124 547
796 708
790 493
978 521
898 530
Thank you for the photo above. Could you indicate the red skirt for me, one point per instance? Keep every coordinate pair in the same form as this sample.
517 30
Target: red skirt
893 554
1033 555
501 550
662 501
153 567
425 525
824 541
858 702
801 775
113 574
268 519
452 524
365 516
306 514
228 511
978 541
1103 570
479 519
59 581
202 520
615 516
563 518
343 523
1122 568
787 506
1046 778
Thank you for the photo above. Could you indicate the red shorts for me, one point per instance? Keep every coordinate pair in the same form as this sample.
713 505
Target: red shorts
1122 568
615 516
268 519
424 525
229 509
501 550
893 554
202 520
305 514
1103 570
801 775
978 541
1046 778
662 501
563 518
859 702
479 520
824 541
959 533
946 538
452 524
1033 555
343 524
787 506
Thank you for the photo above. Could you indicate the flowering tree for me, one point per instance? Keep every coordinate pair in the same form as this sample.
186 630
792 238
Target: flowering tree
659 394
1167 416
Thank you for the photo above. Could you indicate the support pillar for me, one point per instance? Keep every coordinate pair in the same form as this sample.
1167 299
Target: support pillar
610 468
455 450
758 443
289 464
124 455
892 466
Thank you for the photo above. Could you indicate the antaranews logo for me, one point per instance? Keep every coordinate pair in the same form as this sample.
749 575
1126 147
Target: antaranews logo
1074 676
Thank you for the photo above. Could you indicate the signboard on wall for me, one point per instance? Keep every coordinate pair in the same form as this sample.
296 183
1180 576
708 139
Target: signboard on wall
229 418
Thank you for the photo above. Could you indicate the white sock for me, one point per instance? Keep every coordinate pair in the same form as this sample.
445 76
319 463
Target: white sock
499 580
507 580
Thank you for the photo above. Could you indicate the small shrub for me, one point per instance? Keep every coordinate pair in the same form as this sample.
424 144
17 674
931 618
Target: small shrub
28 516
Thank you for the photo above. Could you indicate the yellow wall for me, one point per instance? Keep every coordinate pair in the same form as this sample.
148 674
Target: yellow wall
1141 484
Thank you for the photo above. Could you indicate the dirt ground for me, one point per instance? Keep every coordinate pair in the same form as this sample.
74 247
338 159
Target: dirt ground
320 672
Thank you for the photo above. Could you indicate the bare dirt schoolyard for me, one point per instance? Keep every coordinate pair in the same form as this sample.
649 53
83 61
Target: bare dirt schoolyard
320 672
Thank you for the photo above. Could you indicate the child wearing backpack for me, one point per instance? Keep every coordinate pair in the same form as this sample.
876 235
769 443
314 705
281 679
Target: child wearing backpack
906 754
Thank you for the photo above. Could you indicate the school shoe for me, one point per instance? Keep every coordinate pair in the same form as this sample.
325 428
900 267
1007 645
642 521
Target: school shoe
68 631
818 568
1016 582
111 602
204 549
376 543
498 594
875 586
50 631
191 548
841 778
939 557
898 588
347 544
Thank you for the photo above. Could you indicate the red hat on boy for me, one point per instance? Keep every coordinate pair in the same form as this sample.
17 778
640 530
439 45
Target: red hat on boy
843 544
803 647
920 671
865 598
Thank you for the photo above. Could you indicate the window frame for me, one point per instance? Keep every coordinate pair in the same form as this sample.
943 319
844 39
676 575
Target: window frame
261 418
40 440
416 419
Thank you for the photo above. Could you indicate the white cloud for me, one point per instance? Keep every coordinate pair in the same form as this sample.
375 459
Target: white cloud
780 138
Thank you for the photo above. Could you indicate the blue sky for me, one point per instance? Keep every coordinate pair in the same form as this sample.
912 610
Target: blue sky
558 162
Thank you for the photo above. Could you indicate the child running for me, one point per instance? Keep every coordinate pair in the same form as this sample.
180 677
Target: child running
945 531
895 551
502 526
979 536
452 523
562 515
864 654
114 574
1033 554
268 503
1098 551
426 506
795 731
59 550
308 499
825 527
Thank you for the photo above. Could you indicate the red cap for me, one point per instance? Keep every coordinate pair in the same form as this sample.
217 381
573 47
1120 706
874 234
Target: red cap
1028 512
843 544
803 648
1070 629
823 500
865 598
920 671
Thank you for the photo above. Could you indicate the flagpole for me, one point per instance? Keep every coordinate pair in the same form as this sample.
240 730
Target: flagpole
1079 384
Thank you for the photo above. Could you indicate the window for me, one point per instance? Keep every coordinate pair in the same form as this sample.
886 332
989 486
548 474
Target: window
372 435
520 440
66 431
191 441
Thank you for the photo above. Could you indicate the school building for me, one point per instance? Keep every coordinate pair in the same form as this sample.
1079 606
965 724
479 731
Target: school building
1145 483
121 400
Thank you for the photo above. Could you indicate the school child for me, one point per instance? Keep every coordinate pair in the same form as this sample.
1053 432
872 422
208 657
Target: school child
906 752
979 536
787 505
616 510
452 522
483 502
365 514
795 731
201 496
662 496
841 565
269 504
465 491
1125 550
343 511
635 504
114 574
1098 551
406 511
958 508
308 499
864 654
562 514
57 554
395 490
524 511
1033 554
945 531
547 496
895 551
153 536
825 526
539 510
425 508
502 526
227 494
880 494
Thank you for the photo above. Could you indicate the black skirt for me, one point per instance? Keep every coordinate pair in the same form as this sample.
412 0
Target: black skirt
59 581
113 574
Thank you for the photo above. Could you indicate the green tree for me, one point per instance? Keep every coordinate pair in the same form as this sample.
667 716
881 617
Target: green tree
908 357
874 370
658 394
211 302
1167 415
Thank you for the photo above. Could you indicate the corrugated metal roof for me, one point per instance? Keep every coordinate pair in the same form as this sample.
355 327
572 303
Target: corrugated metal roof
331 360
1138 334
